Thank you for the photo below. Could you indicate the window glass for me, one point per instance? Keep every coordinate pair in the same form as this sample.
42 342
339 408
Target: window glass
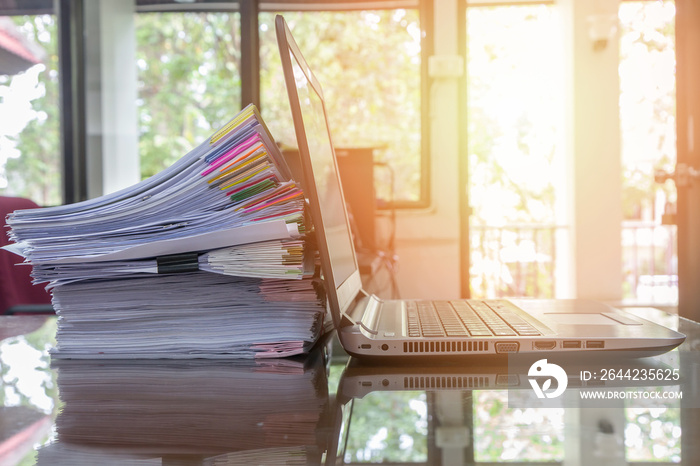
369 64
648 140
30 154
188 81
515 95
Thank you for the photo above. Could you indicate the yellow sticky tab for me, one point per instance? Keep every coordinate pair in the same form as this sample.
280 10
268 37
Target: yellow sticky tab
246 176
236 121
237 167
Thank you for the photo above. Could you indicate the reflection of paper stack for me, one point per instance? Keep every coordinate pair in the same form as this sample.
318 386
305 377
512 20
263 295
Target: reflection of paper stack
207 412
128 270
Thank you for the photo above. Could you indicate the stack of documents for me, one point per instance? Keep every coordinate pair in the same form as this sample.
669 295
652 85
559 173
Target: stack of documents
207 412
207 258
186 315
233 189
267 259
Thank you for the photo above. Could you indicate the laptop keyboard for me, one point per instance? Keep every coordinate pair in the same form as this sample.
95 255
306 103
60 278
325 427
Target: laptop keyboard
465 318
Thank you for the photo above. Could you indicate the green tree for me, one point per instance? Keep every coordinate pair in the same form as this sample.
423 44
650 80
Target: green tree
368 63
512 114
35 174
513 126
189 84
188 79
648 104
388 427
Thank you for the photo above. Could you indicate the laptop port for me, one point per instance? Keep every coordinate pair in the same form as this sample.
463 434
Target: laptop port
545 345
507 380
595 344
571 344
507 347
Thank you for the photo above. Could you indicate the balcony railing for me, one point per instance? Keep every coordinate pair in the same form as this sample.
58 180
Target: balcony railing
650 263
514 260
523 261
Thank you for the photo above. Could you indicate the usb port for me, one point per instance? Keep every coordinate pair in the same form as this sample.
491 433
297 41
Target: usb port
595 344
571 344
365 346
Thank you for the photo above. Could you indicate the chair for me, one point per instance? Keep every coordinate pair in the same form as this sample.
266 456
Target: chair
17 293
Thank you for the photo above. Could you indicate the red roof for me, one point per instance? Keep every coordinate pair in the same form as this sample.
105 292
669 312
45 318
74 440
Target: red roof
17 53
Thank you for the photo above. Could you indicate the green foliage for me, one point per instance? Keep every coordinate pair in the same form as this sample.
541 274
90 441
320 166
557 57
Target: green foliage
505 434
36 173
647 105
654 434
514 99
189 84
189 81
513 128
368 63
389 427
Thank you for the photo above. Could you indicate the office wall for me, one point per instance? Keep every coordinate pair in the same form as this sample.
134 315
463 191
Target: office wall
428 243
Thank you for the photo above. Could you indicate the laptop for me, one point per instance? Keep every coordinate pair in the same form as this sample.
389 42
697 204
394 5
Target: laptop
373 328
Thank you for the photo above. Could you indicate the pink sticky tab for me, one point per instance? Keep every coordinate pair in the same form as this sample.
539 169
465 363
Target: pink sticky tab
234 151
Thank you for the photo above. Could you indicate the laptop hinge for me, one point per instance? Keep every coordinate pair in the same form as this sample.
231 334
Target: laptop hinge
369 313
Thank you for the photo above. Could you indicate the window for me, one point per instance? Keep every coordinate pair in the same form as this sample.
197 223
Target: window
648 139
188 61
189 81
515 95
369 64
30 161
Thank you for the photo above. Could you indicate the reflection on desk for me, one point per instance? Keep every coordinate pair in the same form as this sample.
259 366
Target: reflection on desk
207 412
324 409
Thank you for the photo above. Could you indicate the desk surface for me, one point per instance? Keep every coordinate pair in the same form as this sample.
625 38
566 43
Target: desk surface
329 409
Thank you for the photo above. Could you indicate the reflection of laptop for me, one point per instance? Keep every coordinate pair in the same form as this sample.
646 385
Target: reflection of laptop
514 373
444 411
368 326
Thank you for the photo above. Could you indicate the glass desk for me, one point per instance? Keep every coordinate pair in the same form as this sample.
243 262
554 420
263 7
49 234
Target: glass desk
329 409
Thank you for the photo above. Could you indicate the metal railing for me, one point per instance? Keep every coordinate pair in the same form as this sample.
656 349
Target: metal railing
522 261
650 263
513 260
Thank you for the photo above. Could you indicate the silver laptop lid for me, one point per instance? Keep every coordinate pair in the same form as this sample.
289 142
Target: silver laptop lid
318 161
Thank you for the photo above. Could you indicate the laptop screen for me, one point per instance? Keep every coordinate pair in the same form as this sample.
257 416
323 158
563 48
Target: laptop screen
322 185
333 214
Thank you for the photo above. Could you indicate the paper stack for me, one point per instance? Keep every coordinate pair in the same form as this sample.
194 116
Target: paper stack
208 258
